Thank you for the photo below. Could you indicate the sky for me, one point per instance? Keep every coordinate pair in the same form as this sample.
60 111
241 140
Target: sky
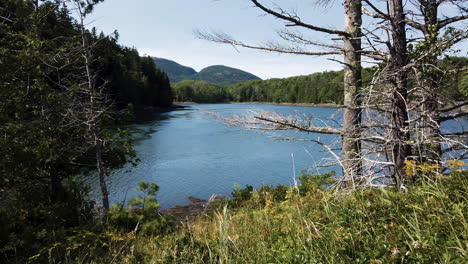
165 29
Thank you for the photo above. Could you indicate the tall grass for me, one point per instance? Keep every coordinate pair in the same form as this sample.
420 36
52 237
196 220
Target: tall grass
425 225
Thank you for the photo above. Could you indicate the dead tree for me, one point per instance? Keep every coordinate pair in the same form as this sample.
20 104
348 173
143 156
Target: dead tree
95 109
426 18
351 49
394 77
419 66
398 62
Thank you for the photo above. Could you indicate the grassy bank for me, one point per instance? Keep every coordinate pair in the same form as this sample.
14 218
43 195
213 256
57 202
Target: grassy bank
308 224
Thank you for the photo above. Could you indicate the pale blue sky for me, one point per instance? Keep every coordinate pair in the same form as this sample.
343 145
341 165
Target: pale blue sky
164 28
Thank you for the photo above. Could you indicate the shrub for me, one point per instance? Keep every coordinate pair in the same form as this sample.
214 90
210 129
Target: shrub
239 195
142 213
315 181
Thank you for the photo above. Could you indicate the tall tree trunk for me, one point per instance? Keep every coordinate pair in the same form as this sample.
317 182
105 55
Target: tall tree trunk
430 77
93 111
398 62
352 84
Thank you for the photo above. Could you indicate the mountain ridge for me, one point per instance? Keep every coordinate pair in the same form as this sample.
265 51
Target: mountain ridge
215 74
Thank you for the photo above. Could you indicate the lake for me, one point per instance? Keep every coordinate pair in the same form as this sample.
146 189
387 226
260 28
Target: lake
190 153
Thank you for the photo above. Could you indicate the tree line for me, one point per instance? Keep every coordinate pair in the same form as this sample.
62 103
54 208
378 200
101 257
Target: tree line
317 88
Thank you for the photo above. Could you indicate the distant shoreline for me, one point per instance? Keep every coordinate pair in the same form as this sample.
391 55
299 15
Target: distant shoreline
281 104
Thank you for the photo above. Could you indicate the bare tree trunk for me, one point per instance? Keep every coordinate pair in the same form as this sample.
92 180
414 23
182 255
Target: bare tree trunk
93 113
352 84
400 118
432 149
101 170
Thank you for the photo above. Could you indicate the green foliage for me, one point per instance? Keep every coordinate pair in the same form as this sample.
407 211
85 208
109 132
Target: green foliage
131 79
239 195
463 85
311 182
45 138
317 88
143 213
31 226
199 92
175 71
425 225
147 200
455 82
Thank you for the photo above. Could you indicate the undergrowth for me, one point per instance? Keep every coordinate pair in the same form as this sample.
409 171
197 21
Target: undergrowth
312 224
308 223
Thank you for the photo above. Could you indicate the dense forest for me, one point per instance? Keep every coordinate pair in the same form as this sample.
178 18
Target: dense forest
63 91
200 92
131 79
317 88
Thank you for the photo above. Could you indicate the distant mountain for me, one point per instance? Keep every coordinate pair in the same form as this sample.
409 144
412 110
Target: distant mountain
174 70
218 74
223 75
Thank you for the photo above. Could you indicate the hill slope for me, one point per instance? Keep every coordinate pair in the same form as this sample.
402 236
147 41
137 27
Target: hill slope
174 70
223 75
218 74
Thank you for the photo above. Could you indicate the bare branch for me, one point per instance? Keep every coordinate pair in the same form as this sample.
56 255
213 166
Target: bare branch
376 10
223 38
445 22
295 125
297 22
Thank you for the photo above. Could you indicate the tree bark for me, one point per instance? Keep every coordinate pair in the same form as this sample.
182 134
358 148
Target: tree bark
352 84
101 171
432 149
399 77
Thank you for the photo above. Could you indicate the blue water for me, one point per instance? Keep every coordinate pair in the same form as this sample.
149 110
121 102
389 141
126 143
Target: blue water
190 153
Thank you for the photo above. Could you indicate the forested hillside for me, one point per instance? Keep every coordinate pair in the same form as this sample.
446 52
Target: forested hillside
217 74
174 70
223 75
